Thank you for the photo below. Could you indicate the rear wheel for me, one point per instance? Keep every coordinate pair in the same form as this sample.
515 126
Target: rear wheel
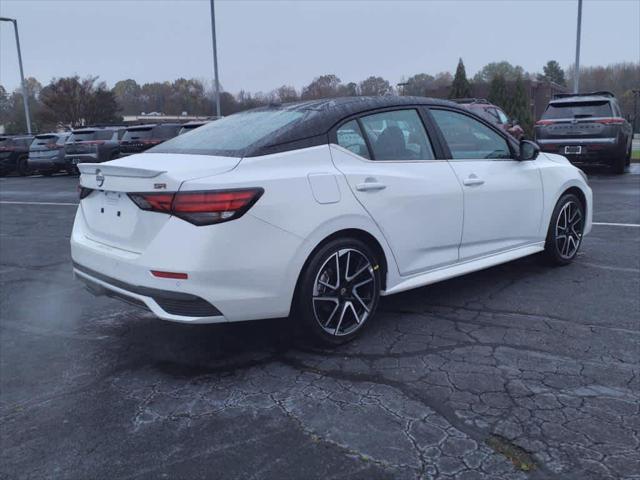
338 292
23 166
620 163
565 230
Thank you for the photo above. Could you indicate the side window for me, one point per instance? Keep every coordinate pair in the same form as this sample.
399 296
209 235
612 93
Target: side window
397 135
350 137
468 138
503 117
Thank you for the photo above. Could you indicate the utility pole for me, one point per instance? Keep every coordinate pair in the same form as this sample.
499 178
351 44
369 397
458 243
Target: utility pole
215 59
576 73
25 99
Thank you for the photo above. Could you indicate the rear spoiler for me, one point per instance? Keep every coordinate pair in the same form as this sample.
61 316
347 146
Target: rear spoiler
116 171
601 93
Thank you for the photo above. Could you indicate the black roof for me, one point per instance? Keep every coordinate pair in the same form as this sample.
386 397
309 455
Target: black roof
322 115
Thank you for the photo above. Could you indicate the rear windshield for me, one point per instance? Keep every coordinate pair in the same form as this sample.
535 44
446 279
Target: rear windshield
6 142
577 109
88 135
137 134
164 132
230 136
44 140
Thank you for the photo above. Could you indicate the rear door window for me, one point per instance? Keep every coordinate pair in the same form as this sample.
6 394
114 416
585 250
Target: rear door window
577 109
468 138
397 135
350 137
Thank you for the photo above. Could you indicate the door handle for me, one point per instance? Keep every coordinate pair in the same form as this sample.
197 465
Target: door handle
370 185
472 180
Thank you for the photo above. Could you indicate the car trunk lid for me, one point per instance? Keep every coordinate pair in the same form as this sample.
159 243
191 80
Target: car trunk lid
113 219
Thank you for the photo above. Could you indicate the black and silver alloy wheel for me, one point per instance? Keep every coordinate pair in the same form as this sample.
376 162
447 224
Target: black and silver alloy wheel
569 226
565 230
344 292
338 291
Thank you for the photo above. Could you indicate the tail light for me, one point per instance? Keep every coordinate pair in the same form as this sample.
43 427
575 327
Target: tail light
200 208
84 192
53 146
610 121
544 122
150 142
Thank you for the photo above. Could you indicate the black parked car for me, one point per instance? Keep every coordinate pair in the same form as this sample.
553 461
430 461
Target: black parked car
46 153
139 138
14 154
92 145
588 129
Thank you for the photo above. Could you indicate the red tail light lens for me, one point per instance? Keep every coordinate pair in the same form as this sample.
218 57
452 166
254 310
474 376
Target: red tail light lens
545 122
200 208
611 121
155 202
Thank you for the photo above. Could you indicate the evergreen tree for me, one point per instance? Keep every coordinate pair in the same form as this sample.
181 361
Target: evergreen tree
553 72
460 88
519 107
498 94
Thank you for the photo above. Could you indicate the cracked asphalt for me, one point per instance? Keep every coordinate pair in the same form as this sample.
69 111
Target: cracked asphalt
517 372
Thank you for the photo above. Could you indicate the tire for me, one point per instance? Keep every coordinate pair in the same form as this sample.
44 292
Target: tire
619 164
560 247
22 166
333 309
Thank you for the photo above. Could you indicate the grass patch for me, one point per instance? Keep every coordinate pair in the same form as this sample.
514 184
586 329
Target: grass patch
635 155
520 458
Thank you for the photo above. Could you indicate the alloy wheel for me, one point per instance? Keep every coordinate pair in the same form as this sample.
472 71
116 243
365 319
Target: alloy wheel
344 292
569 226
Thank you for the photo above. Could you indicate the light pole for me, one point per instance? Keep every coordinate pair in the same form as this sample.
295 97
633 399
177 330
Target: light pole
215 59
24 86
576 73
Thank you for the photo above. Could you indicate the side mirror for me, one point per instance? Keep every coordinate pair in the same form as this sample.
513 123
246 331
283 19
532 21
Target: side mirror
528 150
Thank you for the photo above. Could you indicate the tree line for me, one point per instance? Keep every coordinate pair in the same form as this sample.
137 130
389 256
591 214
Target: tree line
74 101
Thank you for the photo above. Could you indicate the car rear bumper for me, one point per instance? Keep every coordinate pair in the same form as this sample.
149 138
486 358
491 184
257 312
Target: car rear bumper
75 158
233 273
594 151
44 163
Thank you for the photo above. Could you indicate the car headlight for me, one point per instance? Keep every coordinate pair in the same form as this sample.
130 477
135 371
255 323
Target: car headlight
584 176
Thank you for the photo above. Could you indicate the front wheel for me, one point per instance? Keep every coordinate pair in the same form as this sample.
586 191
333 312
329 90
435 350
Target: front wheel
565 230
338 292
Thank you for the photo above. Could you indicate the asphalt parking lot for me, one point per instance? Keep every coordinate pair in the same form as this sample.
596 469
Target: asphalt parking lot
517 372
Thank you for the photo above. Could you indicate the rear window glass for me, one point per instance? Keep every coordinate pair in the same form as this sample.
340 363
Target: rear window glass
165 131
6 142
137 134
577 109
91 135
230 136
44 140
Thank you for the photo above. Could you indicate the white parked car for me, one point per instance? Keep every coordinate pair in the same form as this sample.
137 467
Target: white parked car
313 210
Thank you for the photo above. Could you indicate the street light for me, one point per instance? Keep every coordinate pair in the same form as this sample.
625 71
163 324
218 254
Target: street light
215 59
24 86
576 74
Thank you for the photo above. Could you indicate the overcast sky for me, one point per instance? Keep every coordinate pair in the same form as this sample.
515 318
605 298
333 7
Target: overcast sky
265 44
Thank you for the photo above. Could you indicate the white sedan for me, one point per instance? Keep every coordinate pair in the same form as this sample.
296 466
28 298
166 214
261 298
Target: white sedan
313 210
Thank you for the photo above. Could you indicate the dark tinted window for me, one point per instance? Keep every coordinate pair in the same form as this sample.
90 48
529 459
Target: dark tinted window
397 135
350 137
165 131
231 135
577 109
468 138
137 134
88 135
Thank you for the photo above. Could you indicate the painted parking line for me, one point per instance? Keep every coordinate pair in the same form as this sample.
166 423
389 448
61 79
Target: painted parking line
7 202
607 224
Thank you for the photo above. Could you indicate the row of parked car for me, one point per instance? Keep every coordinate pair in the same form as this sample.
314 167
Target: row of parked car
49 153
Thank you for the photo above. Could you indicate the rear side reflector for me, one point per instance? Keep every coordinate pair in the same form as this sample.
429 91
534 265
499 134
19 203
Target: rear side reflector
174 275
544 122
202 207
